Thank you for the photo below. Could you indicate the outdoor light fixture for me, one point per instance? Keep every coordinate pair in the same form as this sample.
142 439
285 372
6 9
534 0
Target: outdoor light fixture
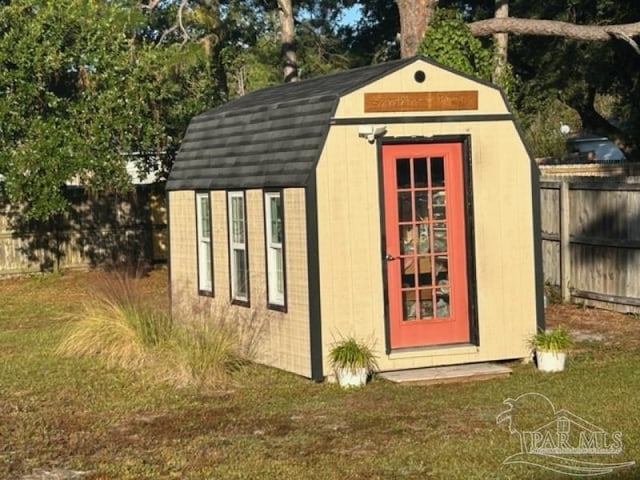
371 132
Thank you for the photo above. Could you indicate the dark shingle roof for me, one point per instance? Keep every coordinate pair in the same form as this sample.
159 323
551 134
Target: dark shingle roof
268 138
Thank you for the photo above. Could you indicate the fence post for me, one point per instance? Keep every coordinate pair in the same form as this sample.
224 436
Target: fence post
565 241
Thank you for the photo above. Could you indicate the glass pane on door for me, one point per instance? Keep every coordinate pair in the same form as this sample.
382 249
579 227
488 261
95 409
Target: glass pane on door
424 242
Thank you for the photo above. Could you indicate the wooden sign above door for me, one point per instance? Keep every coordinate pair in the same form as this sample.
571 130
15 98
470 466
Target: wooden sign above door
420 101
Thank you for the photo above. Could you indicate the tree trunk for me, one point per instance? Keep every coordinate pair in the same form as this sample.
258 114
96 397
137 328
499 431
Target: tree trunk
527 26
415 15
501 40
213 48
287 28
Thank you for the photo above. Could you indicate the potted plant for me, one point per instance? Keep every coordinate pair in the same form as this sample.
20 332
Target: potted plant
550 347
352 362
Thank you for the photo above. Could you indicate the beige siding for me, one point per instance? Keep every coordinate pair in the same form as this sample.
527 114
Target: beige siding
504 240
352 290
182 246
277 339
349 238
220 241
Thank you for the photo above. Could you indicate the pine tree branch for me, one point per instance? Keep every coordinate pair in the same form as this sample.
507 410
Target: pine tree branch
526 26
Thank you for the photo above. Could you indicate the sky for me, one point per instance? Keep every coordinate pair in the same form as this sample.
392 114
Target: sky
350 15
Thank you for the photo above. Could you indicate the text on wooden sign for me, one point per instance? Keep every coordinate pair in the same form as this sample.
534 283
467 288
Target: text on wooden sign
420 101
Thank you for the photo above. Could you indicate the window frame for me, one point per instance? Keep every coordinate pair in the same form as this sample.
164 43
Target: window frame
201 245
235 246
275 300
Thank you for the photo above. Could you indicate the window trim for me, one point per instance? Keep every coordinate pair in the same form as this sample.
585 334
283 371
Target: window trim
233 246
274 304
200 240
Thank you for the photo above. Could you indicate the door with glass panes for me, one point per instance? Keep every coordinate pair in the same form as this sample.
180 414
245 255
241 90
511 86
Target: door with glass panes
426 258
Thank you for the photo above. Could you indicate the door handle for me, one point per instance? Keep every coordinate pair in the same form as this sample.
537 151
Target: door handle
388 257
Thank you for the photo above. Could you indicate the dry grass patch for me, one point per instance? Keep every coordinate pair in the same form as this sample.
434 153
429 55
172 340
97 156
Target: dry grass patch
614 328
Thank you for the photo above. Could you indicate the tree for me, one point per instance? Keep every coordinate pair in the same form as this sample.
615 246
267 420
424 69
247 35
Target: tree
415 16
501 41
224 25
287 27
575 53
83 92
581 73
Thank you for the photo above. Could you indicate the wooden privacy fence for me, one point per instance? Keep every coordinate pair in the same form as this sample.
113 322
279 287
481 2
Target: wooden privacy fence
591 240
96 230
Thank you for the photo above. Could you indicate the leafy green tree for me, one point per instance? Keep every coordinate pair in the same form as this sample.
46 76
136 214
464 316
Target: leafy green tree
84 91
448 40
260 42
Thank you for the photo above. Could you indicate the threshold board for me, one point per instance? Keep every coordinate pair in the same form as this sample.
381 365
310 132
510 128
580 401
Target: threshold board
450 373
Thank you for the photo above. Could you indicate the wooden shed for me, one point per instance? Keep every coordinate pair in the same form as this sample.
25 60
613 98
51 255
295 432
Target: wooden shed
395 202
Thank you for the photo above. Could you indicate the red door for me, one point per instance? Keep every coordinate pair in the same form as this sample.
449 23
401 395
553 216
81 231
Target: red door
426 256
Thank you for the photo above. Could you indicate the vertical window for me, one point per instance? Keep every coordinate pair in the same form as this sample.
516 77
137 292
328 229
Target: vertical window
203 214
274 243
238 247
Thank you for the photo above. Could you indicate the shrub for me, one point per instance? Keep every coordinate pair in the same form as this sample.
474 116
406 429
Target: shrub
542 127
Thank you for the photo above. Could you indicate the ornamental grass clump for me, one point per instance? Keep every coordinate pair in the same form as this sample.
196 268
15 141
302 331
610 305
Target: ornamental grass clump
203 352
201 346
117 325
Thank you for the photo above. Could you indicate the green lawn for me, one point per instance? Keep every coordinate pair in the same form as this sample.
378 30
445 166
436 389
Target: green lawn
76 414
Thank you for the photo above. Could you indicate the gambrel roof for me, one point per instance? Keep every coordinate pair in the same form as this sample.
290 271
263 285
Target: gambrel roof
272 137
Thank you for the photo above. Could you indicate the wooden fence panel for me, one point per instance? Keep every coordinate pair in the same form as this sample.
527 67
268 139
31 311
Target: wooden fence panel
96 230
601 246
550 224
551 261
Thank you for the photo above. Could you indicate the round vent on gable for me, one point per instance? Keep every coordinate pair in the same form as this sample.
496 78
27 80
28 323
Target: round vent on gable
419 76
